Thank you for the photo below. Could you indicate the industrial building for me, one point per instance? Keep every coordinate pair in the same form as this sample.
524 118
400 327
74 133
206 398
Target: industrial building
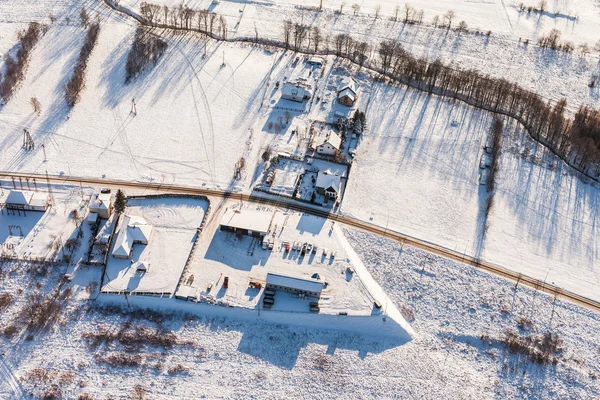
246 222
134 230
25 200
294 284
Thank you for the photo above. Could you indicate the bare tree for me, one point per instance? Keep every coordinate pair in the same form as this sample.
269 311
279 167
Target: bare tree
436 20
342 6
377 11
316 38
85 18
396 12
408 12
462 26
355 7
448 17
35 103
542 5
287 32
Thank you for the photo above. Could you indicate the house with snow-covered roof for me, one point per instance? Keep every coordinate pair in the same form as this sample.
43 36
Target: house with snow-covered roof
331 145
134 230
26 200
348 92
101 205
328 184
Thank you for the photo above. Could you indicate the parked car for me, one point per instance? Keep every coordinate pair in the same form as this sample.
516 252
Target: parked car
303 251
309 248
226 282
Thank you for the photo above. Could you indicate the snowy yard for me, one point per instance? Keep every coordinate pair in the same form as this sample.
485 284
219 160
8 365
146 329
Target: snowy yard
174 223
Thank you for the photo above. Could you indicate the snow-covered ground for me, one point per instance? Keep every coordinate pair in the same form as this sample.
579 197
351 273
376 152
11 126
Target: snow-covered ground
174 222
453 306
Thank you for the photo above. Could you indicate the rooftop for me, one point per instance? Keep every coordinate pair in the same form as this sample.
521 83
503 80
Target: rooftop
326 179
133 229
290 281
255 221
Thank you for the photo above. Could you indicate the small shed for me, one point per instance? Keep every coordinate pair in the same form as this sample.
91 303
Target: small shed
141 266
316 61
294 284
92 218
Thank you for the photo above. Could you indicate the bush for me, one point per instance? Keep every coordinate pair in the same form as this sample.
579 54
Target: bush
145 52
178 369
6 300
120 360
40 310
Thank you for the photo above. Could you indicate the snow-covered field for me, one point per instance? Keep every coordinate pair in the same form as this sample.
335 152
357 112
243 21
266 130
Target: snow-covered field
453 306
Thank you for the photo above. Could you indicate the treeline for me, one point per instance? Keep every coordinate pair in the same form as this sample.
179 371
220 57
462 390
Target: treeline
185 17
576 140
14 70
145 51
77 81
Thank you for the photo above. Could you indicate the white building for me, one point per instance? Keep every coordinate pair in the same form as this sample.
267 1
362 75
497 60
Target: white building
134 230
331 145
295 91
328 184
26 200
246 222
294 284
101 204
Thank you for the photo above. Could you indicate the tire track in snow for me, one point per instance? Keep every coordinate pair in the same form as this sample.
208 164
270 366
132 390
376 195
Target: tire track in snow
10 380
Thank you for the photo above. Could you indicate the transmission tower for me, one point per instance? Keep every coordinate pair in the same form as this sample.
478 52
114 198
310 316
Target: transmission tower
28 143
50 194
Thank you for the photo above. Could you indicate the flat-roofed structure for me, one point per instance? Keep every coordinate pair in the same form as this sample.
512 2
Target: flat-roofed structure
25 200
294 284
246 222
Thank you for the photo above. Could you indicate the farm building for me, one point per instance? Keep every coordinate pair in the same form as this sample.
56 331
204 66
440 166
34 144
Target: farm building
246 222
292 284
348 93
331 145
134 230
295 91
328 184
26 201
101 205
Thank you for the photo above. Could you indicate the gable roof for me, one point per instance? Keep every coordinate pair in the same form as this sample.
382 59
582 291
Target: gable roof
349 84
133 229
333 139
327 180
347 92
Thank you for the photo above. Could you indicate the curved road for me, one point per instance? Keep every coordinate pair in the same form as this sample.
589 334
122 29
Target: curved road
317 211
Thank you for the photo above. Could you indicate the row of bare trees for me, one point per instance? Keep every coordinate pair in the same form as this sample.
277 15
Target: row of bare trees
576 140
15 66
185 17
77 81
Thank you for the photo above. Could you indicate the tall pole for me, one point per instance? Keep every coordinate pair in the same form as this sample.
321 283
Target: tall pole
44 148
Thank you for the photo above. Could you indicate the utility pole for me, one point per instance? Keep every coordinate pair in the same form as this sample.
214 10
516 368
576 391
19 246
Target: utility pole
133 107
50 194
44 148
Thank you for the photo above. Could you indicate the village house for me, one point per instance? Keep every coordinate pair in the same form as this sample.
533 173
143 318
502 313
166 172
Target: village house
101 205
295 92
134 230
331 145
328 184
348 93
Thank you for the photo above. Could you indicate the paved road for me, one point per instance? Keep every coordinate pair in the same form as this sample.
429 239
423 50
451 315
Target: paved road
318 211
